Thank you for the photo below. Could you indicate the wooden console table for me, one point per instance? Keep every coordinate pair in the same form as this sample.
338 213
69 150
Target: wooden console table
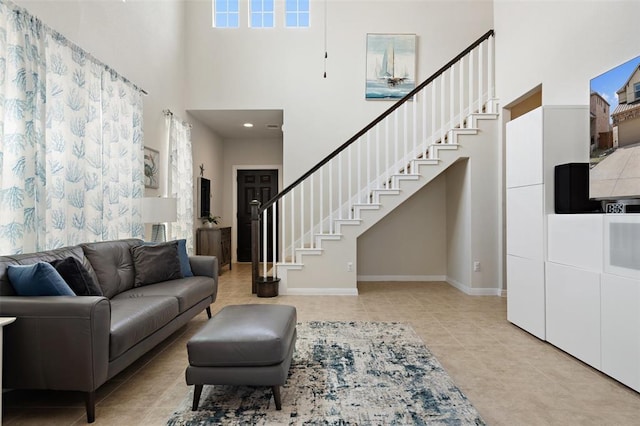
215 242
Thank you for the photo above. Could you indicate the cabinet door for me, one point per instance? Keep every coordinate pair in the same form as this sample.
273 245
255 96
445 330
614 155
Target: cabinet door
524 153
525 222
621 329
573 311
525 294
576 240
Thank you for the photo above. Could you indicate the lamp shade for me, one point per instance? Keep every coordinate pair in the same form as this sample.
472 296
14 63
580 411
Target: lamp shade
159 210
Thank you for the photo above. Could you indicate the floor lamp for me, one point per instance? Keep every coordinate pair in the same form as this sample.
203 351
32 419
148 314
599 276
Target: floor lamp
158 211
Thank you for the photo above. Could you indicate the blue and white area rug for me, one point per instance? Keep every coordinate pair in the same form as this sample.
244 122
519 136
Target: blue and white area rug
344 373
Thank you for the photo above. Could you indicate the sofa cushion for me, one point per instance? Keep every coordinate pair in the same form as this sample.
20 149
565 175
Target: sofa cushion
155 263
77 277
38 279
188 291
134 319
112 263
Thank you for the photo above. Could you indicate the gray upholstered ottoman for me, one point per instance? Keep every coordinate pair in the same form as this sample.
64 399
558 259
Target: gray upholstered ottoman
243 345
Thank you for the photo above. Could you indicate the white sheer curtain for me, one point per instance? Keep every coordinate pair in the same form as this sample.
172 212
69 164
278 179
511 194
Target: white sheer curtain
70 142
181 178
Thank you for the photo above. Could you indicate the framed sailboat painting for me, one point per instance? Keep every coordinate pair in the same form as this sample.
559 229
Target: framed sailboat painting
391 65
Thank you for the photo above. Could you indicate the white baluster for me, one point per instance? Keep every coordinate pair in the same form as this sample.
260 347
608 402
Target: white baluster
340 185
302 214
330 164
414 145
461 94
349 172
293 225
359 177
274 241
396 141
425 125
322 199
386 152
368 190
434 94
490 76
452 90
443 85
480 76
471 74
405 138
265 235
311 198
378 171
283 245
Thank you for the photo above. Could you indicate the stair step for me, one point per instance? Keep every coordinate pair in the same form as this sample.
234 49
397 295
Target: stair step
291 266
366 206
307 252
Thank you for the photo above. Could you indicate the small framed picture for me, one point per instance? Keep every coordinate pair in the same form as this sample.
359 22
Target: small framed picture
151 167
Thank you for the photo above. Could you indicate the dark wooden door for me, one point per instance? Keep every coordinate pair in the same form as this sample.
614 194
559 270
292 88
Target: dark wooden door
261 185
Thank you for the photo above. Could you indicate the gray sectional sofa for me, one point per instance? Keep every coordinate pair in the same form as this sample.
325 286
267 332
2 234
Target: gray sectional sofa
77 343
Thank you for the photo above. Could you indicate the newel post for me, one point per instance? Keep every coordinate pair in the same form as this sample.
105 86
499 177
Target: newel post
255 244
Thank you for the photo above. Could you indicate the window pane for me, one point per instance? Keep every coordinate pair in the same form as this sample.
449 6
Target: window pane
233 21
221 6
303 5
268 20
221 20
291 5
303 19
291 19
233 5
256 6
268 5
256 20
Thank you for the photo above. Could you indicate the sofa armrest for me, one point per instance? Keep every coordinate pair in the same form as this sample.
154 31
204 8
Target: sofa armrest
56 342
206 266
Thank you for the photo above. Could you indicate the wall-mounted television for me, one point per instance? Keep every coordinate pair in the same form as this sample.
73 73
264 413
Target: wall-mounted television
204 197
614 144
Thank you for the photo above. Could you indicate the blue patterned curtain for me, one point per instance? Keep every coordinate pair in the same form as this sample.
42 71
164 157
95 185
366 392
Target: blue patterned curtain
181 178
70 142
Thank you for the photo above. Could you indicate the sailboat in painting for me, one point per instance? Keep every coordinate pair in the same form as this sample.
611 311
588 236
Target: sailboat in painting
387 70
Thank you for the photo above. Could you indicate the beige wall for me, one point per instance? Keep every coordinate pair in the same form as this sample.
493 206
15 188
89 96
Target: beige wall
409 244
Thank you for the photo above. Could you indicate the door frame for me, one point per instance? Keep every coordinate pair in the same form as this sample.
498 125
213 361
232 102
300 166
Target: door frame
234 198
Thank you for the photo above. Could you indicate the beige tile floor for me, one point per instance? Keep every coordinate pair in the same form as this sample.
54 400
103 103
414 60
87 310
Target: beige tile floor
511 377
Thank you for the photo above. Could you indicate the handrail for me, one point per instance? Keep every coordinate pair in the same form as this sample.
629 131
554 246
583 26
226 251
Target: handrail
381 117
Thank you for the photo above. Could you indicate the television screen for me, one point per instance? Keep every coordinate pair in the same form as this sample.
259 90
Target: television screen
615 133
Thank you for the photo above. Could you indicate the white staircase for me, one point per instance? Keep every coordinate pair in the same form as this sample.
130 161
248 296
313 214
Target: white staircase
313 225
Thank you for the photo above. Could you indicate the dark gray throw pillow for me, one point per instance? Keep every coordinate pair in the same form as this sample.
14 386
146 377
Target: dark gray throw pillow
76 276
155 263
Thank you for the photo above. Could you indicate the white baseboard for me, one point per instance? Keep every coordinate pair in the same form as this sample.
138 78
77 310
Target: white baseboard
320 291
402 278
472 291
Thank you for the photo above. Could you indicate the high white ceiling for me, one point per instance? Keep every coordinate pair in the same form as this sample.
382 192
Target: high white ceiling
228 124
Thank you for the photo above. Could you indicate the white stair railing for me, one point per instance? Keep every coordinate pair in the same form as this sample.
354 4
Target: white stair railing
332 193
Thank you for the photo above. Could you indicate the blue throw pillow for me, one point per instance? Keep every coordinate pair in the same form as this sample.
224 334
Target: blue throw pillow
185 266
38 279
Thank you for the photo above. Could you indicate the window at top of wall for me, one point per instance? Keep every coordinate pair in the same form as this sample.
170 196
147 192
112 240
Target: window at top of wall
636 89
225 14
297 13
261 14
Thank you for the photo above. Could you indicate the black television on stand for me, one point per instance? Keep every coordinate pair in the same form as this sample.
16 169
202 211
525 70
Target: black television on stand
614 146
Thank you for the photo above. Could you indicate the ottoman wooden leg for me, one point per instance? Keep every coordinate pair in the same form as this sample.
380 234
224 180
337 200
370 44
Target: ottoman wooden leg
197 391
276 397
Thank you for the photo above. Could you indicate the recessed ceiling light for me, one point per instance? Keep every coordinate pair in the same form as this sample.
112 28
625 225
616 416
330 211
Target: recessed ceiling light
248 124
